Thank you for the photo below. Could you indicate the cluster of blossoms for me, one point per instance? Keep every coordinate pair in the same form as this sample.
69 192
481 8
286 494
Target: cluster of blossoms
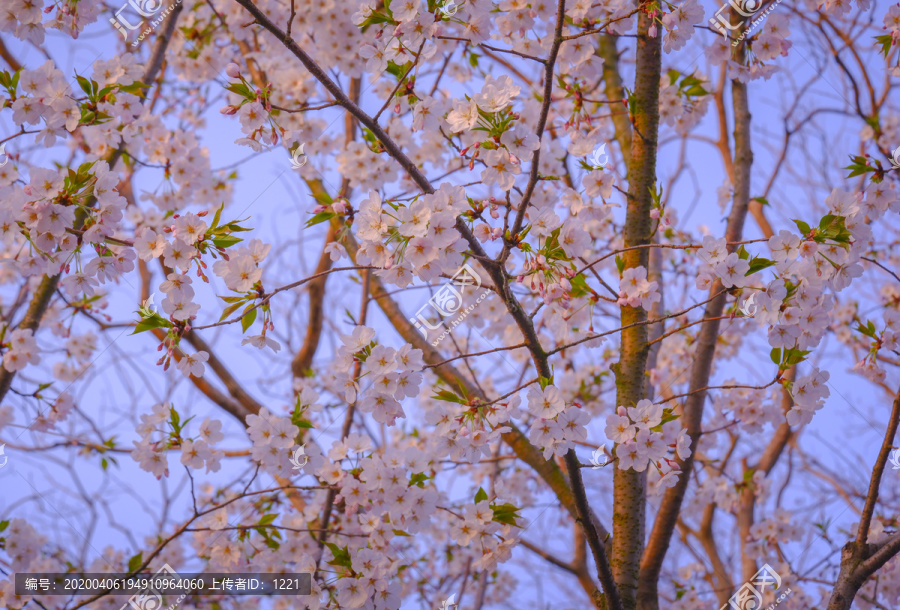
725 492
635 290
23 350
772 42
43 96
151 451
557 427
779 528
66 215
272 438
391 375
809 393
416 240
643 439
57 412
679 25
478 526
682 105
465 432
719 264
751 406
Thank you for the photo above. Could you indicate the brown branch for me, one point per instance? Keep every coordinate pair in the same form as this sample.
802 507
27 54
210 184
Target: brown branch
660 535
859 560
302 361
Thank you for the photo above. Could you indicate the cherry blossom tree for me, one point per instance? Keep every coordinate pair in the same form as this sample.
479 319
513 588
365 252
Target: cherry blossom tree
571 289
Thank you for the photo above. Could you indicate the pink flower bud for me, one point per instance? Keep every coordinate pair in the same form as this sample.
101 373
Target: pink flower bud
622 411
228 110
652 31
233 70
654 213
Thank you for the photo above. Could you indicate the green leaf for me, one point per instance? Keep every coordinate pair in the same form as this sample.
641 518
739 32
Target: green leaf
241 89
775 355
151 322
762 200
580 287
832 227
418 479
85 85
885 41
248 319
505 513
226 241
401 533
4 525
448 396
135 562
216 217
229 310
341 555
481 495
323 198
267 519
868 330
319 218
234 227
859 166
804 228
620 264
793 356
742 253
758 264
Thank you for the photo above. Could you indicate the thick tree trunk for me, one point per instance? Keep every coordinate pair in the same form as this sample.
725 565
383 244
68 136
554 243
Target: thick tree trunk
630 492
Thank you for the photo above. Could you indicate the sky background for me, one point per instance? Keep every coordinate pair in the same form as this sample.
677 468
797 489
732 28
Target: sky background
49 489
